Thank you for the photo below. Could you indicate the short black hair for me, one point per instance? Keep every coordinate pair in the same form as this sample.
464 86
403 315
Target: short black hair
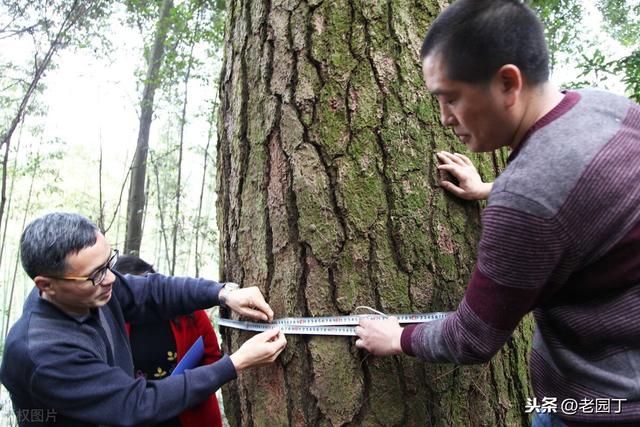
477 37
47 241
131 264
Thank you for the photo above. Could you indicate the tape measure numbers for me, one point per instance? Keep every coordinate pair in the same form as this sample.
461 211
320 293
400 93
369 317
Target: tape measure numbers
330 325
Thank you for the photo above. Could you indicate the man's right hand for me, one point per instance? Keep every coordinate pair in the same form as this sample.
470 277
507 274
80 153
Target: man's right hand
470 185
249 302
259 350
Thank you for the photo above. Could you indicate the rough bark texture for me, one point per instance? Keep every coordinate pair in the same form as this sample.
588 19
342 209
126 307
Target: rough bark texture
328 199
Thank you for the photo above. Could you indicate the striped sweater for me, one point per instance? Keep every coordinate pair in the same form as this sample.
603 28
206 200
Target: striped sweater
561 238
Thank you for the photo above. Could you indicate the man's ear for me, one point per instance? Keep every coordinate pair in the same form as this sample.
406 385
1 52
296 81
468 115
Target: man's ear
510 83
44 285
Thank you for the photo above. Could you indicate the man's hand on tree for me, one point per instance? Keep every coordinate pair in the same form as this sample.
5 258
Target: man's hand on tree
380 337
470 186
249 302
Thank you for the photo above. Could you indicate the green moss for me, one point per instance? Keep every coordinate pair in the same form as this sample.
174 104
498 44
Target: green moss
410 219
257 127
392 284
361 194
363 99
338 382
317 222
342 91
307 87
371 9
318 293
291 130
265 389
447 266
360 189
350 275
387 399
333 130
330 42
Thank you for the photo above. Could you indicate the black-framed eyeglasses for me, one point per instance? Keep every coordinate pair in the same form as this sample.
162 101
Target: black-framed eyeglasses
98 276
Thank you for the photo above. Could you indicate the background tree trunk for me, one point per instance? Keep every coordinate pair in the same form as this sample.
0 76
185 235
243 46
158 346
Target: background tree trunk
178 195
328 199
135 207
199 222
7 212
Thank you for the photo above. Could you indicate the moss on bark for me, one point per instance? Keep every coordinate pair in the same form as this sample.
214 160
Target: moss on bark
328 199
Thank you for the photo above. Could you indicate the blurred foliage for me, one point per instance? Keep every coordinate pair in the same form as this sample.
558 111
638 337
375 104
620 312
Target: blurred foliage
40 20
564 29
562 25
193 22
621 19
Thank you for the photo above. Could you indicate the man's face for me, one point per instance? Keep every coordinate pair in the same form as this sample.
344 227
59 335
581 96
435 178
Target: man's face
78 297
477 113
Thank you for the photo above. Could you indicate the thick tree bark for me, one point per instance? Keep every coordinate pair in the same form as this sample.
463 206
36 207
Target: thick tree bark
135 206
328 199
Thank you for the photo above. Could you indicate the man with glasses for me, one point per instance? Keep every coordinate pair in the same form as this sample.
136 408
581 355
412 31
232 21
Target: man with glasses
68 355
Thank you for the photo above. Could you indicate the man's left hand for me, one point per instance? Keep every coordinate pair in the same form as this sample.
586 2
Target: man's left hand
249 302
380 337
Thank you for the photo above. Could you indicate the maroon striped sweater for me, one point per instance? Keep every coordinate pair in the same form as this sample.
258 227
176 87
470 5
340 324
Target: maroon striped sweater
561 238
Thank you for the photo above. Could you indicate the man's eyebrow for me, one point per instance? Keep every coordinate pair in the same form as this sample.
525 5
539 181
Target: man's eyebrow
441 92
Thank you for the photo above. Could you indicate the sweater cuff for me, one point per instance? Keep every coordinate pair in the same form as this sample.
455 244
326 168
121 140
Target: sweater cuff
214 292
227 369
405 339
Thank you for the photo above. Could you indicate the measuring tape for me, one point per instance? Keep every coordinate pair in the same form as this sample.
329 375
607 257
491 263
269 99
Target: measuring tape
331 325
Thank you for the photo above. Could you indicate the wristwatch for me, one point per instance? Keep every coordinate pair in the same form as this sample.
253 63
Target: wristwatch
227 288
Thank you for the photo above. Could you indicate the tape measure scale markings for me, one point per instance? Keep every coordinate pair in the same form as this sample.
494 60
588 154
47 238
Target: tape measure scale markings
330 325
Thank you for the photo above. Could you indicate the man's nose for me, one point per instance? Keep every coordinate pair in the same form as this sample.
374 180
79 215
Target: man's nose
446 118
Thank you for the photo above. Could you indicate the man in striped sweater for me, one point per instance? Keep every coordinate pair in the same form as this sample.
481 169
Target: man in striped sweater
561 230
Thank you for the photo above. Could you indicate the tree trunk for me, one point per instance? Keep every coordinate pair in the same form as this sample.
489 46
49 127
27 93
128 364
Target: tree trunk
135 207
183 123
199 223
163 227
27 207
7 214
328 199
101 214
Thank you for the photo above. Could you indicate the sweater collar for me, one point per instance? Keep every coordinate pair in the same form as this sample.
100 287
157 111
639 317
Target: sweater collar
41 305
570 99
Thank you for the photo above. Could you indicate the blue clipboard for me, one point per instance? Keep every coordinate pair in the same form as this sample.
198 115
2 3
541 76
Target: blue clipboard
191 358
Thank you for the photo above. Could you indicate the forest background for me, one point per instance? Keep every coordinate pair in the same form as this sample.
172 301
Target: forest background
89 88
